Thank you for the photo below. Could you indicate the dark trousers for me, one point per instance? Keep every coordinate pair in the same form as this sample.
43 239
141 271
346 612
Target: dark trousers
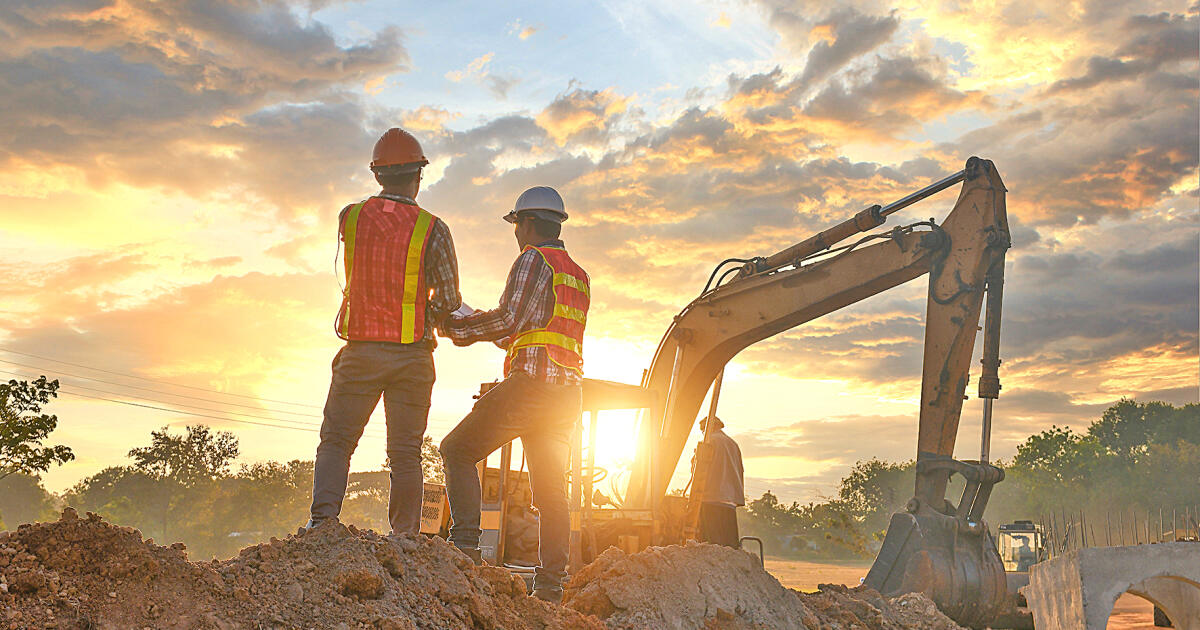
362 372
542 415
718 524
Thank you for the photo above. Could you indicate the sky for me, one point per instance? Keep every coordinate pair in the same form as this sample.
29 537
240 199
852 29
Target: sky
171 174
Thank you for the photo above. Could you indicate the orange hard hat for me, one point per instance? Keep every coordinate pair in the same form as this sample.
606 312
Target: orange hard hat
397 147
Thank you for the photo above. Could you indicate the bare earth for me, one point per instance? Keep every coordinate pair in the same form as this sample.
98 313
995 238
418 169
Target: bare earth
1130 613
804 576
84 573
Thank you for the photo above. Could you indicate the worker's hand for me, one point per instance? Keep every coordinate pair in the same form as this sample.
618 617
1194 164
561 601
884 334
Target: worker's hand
440 321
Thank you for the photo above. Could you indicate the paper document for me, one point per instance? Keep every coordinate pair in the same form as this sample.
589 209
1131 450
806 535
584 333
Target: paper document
464 310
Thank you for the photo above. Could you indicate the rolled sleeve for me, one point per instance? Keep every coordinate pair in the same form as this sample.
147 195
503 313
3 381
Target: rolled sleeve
515 310
441 271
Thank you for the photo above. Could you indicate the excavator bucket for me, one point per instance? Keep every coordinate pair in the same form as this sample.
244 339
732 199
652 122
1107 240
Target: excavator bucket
945 551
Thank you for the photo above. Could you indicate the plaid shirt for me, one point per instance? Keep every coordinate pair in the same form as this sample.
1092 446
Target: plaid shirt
441 269
527 304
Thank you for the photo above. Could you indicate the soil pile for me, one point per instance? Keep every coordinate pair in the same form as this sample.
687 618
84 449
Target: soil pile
836 606
718 588
86 573
683 587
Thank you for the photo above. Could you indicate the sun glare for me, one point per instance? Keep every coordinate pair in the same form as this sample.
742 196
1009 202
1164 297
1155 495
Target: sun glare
616 447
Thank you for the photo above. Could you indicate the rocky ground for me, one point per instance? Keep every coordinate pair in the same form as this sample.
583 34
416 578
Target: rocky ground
713 587
88 574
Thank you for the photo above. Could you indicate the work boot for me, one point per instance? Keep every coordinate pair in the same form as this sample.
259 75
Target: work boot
552 594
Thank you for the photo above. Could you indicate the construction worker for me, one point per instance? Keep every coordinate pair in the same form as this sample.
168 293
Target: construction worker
724 490
401 276
540 320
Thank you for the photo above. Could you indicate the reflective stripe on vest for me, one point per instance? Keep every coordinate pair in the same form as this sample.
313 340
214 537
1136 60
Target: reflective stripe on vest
544 337
570 312
562 337
349 231
573 282
412 282
412 277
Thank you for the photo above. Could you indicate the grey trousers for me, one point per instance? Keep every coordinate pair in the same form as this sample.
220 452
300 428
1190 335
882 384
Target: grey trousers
363 371
542 415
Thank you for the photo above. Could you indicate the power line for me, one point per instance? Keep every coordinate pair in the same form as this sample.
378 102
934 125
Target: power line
201 415
189 413
309 427
168 402
154 380
157 391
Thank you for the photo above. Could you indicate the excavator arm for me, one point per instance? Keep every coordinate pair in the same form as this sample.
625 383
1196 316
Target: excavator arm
934 547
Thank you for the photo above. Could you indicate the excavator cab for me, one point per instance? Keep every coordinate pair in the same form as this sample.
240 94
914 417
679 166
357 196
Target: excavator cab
1021 545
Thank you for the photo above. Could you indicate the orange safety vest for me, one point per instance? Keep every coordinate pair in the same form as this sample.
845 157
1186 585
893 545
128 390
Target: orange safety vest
385 294
562 337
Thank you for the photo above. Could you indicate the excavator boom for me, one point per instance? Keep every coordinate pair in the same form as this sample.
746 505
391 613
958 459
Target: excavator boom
942 549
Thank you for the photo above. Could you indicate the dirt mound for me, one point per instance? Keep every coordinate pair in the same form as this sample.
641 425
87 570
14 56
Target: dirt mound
837 606
683 587
718 588
85 573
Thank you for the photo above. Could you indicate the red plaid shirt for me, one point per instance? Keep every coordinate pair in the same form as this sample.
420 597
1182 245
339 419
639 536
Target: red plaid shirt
526 304
441 268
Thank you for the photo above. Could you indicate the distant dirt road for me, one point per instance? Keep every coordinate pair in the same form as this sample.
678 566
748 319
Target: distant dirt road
805 576
1130 613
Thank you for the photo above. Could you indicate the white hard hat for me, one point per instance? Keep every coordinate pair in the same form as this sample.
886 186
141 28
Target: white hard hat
542 202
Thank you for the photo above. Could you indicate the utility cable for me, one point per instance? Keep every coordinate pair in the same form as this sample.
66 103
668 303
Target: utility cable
189 413
154 380
158 391
168 402
309 427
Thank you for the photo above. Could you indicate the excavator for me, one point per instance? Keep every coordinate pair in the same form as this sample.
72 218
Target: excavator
935 546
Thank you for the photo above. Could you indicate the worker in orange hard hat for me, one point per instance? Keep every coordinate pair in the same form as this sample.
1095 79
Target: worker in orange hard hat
540 321
401 277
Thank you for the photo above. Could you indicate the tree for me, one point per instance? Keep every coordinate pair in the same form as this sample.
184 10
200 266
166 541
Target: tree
431 461
1128 428
366 502
24 500
123 495
23 426
875 489
185 468
187 459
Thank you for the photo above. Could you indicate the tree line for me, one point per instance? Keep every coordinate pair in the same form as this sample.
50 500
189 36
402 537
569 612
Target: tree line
185 488
1136 457
179 487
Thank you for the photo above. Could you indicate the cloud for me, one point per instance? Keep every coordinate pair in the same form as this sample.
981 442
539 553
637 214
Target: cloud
1159 40
479 72
523 32
234 329
477 68
852 35
583 116
121 93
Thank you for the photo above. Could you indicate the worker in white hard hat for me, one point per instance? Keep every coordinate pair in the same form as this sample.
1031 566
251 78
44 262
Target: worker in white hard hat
540 320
